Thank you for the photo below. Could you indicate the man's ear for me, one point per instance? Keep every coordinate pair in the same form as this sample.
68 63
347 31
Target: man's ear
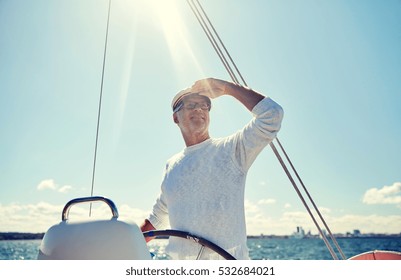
175 119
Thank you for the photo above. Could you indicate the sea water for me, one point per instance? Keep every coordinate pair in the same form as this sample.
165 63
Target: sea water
260 248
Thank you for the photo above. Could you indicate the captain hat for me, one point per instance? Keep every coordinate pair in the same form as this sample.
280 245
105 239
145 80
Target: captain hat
176 104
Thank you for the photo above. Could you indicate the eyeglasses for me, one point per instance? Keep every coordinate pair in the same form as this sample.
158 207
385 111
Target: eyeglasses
193 105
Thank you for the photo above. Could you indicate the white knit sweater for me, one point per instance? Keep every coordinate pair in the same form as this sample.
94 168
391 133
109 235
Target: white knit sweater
203 187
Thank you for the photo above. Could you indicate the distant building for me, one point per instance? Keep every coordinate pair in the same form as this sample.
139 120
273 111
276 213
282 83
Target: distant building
300 233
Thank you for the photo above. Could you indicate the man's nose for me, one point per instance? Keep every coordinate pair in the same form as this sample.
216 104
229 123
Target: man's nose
198 107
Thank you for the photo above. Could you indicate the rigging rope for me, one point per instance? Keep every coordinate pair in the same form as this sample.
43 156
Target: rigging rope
194 4
312 201
213 42
100 105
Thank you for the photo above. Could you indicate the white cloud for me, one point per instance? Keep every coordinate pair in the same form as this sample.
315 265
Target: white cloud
46 184
132 215
259 222
30 217
65 189
49 184
266 201
322 210
367 224
41 216
385 195
250 207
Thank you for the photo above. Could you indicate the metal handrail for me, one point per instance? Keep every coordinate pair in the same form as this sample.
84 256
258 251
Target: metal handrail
110 203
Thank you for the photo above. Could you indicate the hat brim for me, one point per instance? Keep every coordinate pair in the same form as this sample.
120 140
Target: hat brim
179 96
183 93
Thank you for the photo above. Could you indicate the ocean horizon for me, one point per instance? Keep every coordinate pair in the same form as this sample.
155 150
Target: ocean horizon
32 236
259 248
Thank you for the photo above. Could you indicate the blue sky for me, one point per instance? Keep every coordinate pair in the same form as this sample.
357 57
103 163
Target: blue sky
334 66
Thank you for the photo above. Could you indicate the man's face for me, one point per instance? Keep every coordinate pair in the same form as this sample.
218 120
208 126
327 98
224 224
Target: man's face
193 118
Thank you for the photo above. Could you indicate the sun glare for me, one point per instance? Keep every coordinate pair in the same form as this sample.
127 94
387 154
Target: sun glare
171 22
168 15
169 18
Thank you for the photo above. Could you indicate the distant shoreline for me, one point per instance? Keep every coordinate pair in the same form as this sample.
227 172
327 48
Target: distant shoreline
20 236
33 236
337 236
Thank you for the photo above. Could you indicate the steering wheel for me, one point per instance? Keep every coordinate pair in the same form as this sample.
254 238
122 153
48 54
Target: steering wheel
186 235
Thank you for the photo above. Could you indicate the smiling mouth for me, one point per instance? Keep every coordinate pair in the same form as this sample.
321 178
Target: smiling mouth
198 117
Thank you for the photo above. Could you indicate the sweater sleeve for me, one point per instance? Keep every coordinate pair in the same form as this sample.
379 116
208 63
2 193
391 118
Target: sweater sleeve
159 215
258 133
